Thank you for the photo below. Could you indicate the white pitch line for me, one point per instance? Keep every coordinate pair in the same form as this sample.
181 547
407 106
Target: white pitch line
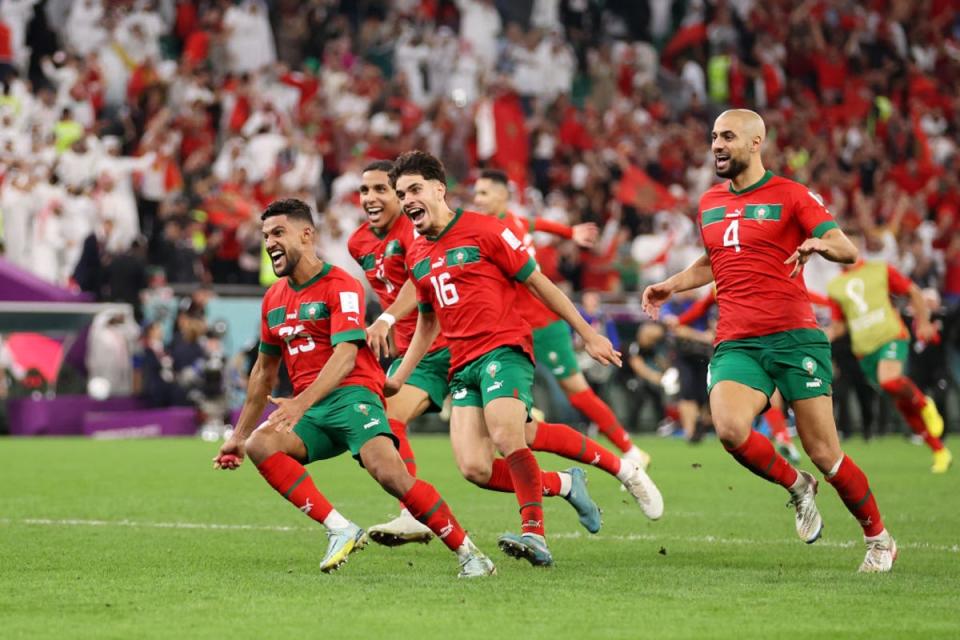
632 537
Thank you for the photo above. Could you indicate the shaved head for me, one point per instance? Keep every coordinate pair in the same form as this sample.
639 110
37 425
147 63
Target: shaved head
738 136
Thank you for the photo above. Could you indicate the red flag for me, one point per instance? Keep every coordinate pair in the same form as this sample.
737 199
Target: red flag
639 190
513 144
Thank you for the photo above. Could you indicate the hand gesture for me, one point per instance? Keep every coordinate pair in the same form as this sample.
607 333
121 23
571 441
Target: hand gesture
287 414
601 350
803 253
586 234
377 338
391 387
927 332
230 456
653 297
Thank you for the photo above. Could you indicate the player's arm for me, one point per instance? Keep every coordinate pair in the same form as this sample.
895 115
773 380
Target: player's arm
696 275
262 380
599 347
585 234
377 332
290 410
833 245
838 325
428 328
902 285
644 371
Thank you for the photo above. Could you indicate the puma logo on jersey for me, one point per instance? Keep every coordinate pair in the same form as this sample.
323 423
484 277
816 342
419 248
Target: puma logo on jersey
459 394
814 384
307 507
495 386
355 320
372 423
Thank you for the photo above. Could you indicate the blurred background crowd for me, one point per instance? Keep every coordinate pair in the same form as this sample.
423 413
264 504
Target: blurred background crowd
139 139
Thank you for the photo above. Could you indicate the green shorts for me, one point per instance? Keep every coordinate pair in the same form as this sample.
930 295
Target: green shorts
893 350
505 372
429 376
345 420
553 348
797 362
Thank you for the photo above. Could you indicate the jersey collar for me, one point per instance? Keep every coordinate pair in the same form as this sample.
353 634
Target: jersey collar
452 222
300 287
756 185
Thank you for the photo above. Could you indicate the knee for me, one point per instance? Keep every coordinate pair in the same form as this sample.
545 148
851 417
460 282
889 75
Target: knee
260 446
392 477
732 430
822 455
475 471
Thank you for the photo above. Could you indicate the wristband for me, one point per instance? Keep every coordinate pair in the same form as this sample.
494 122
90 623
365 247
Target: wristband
388 318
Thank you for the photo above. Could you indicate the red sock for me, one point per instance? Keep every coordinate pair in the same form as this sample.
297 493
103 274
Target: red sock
399 429
501 480
758 455
778 424
528 485
589 404
293 482
426 505
854 489
568 442
910 402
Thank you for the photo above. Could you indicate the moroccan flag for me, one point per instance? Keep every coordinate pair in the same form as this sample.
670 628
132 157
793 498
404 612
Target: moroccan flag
502 137
639 190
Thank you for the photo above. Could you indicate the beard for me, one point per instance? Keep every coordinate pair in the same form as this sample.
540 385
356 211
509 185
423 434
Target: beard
290 260
735 167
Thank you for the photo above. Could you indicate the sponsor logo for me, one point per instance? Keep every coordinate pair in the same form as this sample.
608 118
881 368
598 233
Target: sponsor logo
532 524
349 302
809 365
495 386
353 319
307 507
446 530
511 239
373 423
292 316
558 370
438 263
815 384
596 459
867 320
459 394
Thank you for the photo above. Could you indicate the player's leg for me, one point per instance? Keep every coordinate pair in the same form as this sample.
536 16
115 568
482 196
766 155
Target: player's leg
381 459
279 457
818 433
738 388
563 440
778 429
553 346
919 411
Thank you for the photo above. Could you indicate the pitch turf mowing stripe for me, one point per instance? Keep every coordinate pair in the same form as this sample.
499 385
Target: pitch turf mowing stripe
575 535
295 485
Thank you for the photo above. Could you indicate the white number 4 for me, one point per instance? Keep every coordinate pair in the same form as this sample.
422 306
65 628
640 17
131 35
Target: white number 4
731 237
445 290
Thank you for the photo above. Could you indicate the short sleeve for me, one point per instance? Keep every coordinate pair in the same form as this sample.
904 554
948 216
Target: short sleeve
268 343
899 284
506 251
836 312
812 213
346 312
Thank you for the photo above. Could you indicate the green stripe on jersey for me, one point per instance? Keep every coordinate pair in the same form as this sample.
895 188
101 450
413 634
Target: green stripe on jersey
459 256
276 316
368 262
394 248
313 311
762 211
421 269
712 215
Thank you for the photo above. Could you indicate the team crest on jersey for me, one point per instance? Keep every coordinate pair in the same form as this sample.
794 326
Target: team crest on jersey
362 408
552 356
493 368
809 365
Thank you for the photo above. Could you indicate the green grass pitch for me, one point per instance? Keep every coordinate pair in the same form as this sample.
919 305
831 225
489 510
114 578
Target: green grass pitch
138 539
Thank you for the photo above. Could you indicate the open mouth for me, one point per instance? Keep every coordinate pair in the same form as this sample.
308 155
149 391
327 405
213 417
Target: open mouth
722 160
277 256
374 212
416 214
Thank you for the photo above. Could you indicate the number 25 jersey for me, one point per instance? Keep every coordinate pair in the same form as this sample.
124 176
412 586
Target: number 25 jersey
747 235
468 276
303 323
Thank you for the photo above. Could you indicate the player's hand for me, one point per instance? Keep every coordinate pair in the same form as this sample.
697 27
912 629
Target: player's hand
586 234
230 456
799 257
601 350
653 297
927 332
377 338
287 414
391 387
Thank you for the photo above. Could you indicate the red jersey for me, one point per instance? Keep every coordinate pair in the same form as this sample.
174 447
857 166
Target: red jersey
466 275
531 308
382 257
747 235
303 323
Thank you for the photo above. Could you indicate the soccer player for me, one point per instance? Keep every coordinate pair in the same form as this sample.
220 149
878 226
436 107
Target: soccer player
759 230
313 320
552 344
860 304
464 266
379 246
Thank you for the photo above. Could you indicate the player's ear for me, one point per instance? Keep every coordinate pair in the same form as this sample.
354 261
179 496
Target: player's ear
441 191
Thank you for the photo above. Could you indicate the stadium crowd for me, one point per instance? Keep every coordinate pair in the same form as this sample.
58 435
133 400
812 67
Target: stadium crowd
140 139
